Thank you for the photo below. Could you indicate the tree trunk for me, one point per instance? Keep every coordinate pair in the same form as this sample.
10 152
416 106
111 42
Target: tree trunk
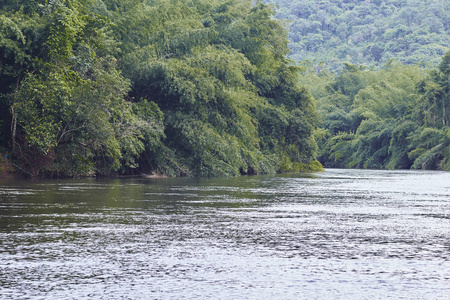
13 128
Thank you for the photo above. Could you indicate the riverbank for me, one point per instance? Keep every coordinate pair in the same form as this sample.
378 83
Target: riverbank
7 170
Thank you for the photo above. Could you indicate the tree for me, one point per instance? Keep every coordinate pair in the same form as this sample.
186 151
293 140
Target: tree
70 111
167 86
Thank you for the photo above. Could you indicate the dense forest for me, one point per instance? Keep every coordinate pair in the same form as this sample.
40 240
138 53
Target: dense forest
369 32
205 87
194 88
380 74
393 118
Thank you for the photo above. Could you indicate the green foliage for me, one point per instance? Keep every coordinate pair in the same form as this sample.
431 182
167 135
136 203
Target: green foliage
397 119
400 146
37 107
366 32
212 68
19 35
166 86
69 112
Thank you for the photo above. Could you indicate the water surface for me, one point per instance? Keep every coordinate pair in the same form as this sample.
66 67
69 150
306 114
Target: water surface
340 234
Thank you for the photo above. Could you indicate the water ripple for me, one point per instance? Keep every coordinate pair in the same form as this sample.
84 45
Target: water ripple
341 234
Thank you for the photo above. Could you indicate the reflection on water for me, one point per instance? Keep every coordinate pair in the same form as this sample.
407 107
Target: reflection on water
341 234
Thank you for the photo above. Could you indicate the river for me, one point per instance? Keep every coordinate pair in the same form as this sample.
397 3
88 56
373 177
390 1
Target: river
339 234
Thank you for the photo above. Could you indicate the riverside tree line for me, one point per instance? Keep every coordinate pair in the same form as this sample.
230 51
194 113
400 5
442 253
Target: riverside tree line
199 88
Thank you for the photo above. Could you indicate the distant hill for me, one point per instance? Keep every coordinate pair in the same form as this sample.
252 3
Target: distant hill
366 32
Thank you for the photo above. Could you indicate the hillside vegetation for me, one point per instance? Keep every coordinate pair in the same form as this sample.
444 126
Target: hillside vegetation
379 71
369 32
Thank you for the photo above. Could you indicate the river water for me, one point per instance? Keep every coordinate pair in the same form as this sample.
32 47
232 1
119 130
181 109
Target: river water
340 234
